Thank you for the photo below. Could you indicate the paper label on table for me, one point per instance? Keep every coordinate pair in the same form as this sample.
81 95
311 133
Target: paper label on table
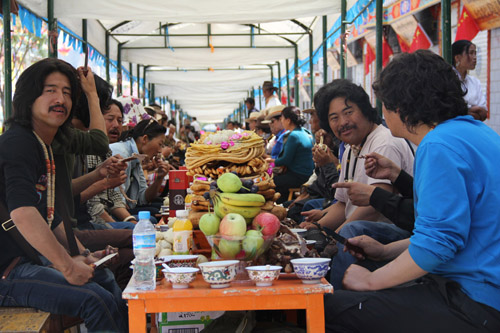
195 315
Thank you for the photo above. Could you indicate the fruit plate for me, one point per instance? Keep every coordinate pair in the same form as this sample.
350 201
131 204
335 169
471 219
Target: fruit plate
240 248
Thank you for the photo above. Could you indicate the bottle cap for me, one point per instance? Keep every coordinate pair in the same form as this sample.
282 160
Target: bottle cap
182 213
144 215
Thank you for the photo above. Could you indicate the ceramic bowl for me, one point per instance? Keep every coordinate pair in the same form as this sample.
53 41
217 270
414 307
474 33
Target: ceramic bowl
311 270
219 273
310 243
180 277
181 260
299 231
263 276
241 248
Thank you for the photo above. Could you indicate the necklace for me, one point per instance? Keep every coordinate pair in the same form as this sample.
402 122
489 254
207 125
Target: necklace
355 150
51 180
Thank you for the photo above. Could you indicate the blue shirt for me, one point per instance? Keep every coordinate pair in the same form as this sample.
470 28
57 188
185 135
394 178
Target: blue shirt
278 144
296 154
457 207
135 185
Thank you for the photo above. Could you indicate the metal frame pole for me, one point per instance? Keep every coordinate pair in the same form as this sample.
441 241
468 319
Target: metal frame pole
138 81
131 78
144 84
343 10
379 41
296 77
446 28
119 71
288 82
311 65
108 76
52 21
325 55
7 68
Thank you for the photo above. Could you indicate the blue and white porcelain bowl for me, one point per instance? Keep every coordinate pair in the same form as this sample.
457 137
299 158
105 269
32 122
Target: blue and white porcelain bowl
219 273
180 277
311 270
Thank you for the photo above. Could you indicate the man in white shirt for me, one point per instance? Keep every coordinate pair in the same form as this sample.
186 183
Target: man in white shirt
268 90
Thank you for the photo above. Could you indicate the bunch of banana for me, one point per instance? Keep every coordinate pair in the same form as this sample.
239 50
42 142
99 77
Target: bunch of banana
246 204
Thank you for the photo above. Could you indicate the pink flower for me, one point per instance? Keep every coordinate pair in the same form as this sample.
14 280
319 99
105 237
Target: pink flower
245 134
224 145
209 142
231 143
236 136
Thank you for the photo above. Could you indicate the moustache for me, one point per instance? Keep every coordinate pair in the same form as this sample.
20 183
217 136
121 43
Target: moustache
346 128
114 131
54 107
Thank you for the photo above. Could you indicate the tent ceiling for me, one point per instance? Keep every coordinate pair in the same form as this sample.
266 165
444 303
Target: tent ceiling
176 35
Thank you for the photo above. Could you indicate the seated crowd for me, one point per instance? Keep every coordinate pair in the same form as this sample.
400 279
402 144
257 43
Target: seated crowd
425 219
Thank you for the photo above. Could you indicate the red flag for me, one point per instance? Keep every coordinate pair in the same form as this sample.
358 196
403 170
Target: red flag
467 27
370 56
386 52
403 44
420 40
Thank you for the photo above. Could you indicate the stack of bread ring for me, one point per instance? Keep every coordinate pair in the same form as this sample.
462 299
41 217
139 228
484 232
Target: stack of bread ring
206 163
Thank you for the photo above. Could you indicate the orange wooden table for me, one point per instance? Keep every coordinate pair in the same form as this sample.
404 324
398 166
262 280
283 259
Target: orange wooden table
285 293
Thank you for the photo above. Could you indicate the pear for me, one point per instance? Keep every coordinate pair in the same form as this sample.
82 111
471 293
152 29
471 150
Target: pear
229 183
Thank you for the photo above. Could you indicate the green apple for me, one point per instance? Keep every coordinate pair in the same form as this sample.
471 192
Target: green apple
253 241
233 225
228 249
209 224
229 183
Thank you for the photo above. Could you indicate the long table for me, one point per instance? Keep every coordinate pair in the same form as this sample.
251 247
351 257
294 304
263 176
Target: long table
285 293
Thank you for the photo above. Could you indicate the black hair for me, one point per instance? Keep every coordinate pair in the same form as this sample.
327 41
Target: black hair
293 113
104 92
423 87
113 102
194 118
250 100
30 86
348 90
459 47
149 127
171 122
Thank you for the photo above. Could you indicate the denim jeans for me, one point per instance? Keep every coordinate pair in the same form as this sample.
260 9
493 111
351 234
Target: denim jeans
122 225
383 232
99 302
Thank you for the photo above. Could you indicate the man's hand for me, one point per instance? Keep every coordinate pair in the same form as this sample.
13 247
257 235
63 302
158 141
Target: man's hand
359 193
87 81
79 272
373 249
111 167
107 251
380 167
356 278
313 215
117 180
478 112
321 157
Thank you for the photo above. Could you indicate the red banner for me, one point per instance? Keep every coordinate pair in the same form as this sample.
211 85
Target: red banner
420 40
467 27
370 56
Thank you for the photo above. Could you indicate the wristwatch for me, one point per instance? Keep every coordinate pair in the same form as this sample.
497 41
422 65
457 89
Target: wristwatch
85 253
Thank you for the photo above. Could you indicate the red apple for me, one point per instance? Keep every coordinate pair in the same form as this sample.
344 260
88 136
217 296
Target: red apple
267 222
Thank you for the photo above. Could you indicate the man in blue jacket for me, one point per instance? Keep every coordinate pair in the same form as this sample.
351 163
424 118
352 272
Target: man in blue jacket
445 277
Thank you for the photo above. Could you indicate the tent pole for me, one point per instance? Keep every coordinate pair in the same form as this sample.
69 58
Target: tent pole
378 36
52 21
446 25
288 82
7 68
296 77
108 76
131 78
119 71
325 57
343 10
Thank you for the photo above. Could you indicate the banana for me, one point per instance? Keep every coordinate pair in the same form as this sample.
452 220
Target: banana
243 199
222 208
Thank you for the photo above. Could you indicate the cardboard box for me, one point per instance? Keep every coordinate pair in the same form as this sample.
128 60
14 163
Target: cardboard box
186 322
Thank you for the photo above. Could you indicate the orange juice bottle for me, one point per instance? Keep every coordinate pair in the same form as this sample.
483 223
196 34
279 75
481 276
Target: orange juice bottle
188 199
183 233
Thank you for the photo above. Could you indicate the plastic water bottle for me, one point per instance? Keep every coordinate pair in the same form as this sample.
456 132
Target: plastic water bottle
143 237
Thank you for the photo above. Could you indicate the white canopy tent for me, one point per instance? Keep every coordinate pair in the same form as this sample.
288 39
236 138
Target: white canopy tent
205 55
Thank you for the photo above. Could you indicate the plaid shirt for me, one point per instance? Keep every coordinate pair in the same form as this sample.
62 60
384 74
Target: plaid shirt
106 200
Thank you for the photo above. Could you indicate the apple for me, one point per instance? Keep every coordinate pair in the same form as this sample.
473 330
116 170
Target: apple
229 183
268 223
228 249
233 225
209 224
253 241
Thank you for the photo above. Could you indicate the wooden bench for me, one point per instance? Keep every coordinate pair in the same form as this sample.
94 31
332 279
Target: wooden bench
19 319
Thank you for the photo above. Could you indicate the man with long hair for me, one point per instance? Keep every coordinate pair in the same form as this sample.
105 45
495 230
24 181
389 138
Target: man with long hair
56 282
